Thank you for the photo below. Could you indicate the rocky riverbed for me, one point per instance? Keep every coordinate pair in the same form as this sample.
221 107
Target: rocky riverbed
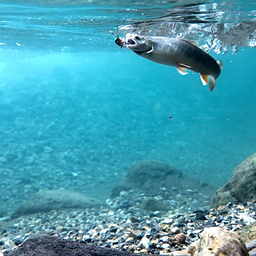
129 228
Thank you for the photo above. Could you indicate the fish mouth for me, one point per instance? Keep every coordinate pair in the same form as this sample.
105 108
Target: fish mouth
130 41
133 39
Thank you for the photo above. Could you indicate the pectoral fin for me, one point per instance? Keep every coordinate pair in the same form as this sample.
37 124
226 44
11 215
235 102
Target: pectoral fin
182 65
183 68
182 71
208 79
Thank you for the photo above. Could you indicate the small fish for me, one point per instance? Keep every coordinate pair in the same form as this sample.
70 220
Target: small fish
177 52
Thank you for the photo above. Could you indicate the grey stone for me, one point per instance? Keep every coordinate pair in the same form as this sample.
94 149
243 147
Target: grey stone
152 204
154 178
242 186
47 200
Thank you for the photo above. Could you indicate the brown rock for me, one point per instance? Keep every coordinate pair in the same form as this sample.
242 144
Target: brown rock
43 245
242 186
181 238
219 242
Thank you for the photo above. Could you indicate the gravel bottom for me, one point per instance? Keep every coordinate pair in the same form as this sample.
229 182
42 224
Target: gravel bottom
131 228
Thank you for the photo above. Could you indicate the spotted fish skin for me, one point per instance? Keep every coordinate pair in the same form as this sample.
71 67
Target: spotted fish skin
177 52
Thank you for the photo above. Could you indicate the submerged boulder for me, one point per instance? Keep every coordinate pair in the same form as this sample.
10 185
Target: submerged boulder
152 204
154 178
242 186
47 200
217 241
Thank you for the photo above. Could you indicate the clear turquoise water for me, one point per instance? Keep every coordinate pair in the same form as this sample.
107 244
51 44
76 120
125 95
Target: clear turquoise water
77 111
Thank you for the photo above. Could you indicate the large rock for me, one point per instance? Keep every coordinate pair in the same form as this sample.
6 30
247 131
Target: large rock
47 200
217 241
43 245
242 186
248 233
153 178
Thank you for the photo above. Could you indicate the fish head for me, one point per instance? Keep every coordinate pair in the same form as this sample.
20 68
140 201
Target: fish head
138 44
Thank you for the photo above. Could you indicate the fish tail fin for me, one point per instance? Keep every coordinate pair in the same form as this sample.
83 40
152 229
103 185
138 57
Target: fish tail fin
211 83
208 79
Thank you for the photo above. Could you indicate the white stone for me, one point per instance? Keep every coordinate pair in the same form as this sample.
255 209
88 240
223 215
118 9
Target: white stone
167 221
144 243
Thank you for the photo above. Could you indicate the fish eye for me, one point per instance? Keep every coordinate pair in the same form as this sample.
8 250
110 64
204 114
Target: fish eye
137 37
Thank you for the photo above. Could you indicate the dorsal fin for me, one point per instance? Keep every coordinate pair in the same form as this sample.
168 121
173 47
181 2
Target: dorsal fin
194 42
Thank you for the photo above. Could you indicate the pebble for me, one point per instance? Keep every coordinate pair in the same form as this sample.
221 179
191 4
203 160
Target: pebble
165 245
181 238
167 221
144 243
18 240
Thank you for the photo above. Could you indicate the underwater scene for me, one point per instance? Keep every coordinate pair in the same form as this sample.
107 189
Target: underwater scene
127 125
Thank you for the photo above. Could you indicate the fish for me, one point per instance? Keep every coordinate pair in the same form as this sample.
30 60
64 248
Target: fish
178 52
